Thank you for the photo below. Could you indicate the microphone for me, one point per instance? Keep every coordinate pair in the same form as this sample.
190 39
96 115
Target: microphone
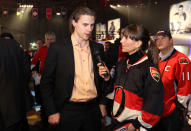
98 57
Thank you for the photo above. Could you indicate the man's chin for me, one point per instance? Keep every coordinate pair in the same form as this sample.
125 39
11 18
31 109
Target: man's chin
160 48
86 38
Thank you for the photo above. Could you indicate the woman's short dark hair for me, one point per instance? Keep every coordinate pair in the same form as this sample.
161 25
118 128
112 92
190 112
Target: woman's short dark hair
140 33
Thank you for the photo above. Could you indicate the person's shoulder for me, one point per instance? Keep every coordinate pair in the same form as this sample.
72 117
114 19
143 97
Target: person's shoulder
179 54
147 68
182 58
95 44
8 42
64 41
42 48
61 43
146 65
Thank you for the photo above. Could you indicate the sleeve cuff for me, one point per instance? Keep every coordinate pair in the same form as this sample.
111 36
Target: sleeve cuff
136 123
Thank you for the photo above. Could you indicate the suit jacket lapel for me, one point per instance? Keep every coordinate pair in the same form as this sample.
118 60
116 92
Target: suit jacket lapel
92 48
70 57
92 53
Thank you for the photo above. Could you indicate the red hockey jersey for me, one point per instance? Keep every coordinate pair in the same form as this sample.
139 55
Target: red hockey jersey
40 56
175 71
138 95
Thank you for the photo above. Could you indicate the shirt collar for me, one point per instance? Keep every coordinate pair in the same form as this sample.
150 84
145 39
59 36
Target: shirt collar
168 55
76 44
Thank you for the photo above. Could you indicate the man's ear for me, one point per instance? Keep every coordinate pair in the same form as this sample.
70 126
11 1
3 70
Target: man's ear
138 43
73 23
171 40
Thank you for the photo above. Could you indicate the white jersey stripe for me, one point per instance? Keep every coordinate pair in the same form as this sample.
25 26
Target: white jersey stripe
188 75
129 114
144 123
111 95
126 114
183 76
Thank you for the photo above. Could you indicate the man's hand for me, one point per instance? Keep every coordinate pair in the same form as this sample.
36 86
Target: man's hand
103 110
36 76
54 119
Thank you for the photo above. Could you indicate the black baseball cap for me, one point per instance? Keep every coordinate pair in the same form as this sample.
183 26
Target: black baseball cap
164 33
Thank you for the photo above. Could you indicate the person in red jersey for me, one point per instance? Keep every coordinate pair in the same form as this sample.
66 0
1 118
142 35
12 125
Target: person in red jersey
175 70
138 89
40 55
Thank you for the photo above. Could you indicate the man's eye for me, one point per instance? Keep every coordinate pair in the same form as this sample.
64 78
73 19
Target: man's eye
85 24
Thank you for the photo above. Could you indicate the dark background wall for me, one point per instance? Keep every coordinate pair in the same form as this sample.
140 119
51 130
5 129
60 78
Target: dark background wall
26 29
153 16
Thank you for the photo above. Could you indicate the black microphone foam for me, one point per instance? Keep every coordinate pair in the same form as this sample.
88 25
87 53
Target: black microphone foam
98 57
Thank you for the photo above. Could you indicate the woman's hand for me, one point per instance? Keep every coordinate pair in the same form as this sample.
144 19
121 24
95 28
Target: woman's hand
103 70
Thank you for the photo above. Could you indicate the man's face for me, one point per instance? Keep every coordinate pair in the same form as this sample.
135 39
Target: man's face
84 27
39 43
180 10
163 42
49 39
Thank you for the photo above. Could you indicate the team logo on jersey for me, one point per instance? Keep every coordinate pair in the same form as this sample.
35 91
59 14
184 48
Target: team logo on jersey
155 74
183 61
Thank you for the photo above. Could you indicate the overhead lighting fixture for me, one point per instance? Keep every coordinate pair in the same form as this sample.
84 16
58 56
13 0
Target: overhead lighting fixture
26 5
112 6
18 13
118 5
58 13
22 11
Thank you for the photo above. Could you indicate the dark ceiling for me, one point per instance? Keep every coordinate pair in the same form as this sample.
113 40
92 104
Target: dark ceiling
12 5
154 14
72 4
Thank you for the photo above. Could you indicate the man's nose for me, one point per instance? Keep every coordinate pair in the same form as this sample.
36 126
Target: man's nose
89 28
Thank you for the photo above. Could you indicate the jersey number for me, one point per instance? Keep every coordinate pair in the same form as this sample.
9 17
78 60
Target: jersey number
183 75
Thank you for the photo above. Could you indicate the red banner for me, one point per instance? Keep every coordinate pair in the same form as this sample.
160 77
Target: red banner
48 13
